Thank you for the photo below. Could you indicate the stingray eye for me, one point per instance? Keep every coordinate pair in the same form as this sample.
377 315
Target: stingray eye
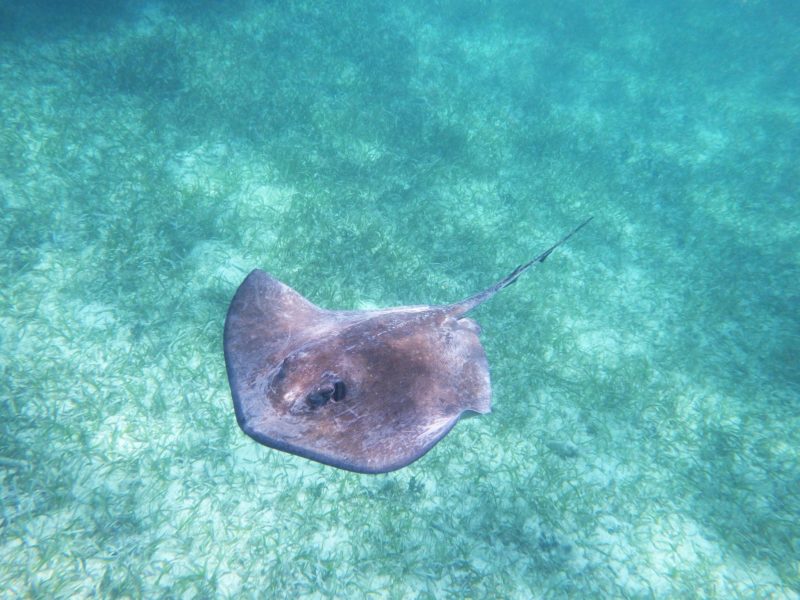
338 391
320 397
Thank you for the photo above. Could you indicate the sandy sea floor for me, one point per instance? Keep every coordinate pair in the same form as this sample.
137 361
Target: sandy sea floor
645 430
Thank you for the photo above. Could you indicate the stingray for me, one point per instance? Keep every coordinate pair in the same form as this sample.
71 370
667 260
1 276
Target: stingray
364 390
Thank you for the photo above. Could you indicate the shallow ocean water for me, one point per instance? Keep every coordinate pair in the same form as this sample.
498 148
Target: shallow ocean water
645 430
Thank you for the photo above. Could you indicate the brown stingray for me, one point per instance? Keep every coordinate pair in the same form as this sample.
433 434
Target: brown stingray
369 390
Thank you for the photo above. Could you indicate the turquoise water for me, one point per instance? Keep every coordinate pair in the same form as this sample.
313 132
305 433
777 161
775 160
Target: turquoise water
645 431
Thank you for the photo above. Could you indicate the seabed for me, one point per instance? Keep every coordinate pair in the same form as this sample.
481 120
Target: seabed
645 431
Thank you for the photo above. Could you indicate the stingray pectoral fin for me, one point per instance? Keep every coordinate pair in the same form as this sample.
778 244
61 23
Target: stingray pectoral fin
474 378
372 396
368 391
266 321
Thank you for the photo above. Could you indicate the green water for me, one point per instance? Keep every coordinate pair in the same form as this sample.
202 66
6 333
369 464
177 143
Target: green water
645 431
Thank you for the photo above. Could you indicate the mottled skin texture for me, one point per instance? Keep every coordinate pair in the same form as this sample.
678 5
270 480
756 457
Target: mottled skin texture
367 391
408 374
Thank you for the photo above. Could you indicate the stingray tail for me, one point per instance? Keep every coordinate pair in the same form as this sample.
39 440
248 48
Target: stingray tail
466 305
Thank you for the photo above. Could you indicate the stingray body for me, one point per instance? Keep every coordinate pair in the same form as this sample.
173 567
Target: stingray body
368 391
